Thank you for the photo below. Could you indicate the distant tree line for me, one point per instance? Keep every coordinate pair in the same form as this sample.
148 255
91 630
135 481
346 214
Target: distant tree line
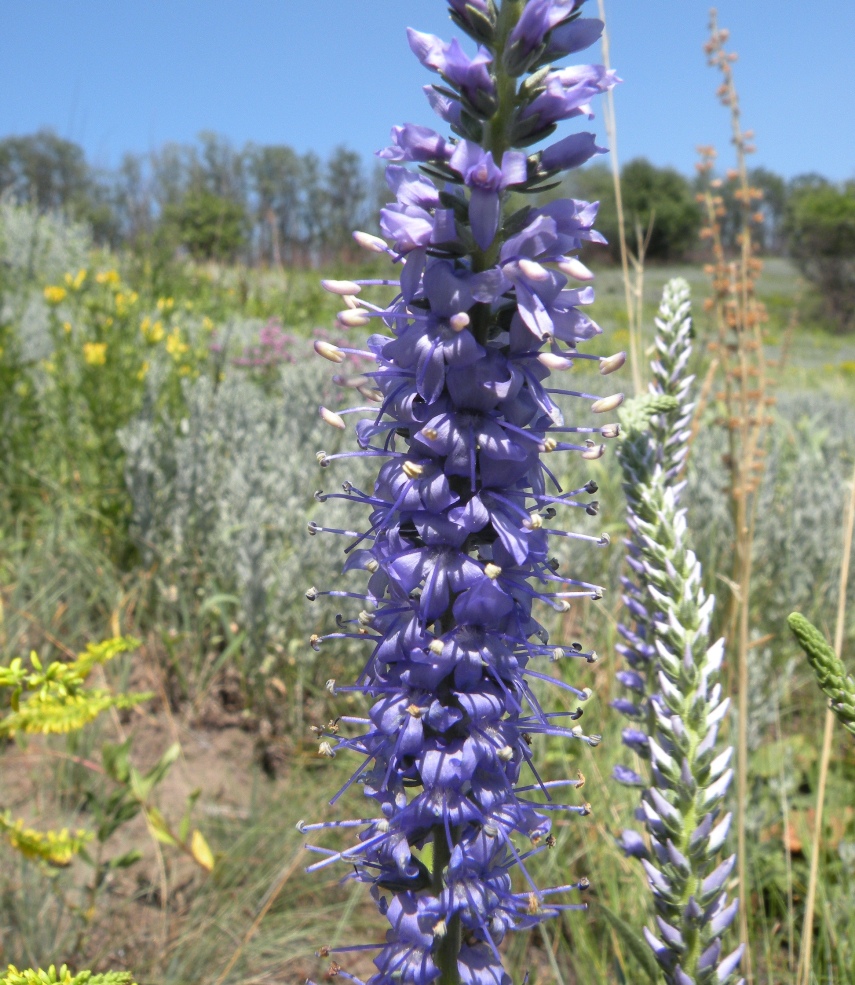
268 204
260 203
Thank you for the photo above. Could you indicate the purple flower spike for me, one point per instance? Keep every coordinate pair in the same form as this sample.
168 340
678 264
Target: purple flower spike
456 551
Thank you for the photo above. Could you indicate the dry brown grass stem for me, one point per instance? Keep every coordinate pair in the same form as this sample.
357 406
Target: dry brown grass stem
633 292
739 318
803 974
270 898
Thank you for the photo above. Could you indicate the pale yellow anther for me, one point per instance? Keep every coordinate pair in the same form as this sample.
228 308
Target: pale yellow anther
353 318
533 270
576 269
436 647
430 433
325 749
506 754
549 444
412 470
330 417
605 404
329 351
534 522
369 242
553 362
459 321
594 452
415 711
343 287
492 571
608 364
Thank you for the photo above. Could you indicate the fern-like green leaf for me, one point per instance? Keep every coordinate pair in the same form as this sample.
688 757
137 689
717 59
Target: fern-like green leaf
830 673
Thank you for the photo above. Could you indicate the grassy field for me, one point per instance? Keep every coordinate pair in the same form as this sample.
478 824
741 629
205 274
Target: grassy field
158 440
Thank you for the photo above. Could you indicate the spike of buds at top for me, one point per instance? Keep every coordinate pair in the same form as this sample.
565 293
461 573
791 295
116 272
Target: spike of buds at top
330 417
329 351
576 269
459 321
608 364
605 404
353 318
371 243
343 287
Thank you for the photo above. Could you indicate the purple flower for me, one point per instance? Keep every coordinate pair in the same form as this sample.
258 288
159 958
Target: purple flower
567 94
570 37
571 152
470 75
537 19
415 143
485 182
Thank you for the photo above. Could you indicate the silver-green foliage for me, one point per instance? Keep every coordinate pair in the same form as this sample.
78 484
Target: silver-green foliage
35 249
801 498
220 497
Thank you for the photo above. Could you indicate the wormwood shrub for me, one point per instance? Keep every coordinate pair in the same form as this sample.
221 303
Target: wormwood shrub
796 559
221 498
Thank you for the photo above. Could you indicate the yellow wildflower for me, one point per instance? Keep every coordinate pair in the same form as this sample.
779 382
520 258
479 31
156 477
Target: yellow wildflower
107 277
95 353
141 375
75 282
165 304
207 324
108 321
151 332
66 327
49 366
183 370
174 346
54 294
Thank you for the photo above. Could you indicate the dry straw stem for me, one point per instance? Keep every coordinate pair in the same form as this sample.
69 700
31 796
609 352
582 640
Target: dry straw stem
634 292
739 318
803 975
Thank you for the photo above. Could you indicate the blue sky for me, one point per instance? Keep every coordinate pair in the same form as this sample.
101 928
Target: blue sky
117 75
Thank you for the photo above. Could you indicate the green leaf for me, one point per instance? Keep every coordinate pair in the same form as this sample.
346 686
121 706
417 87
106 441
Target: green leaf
159 828
126 860
634 943
114 756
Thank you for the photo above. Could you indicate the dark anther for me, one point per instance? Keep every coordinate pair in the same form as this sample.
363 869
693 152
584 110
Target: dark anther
591 487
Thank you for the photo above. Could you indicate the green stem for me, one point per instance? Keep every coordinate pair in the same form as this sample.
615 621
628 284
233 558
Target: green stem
448 947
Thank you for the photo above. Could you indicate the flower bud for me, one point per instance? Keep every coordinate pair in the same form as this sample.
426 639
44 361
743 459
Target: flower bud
328 351
343 287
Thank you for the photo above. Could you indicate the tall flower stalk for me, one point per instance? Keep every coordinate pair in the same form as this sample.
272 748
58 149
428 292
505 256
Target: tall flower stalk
675 701
460 418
